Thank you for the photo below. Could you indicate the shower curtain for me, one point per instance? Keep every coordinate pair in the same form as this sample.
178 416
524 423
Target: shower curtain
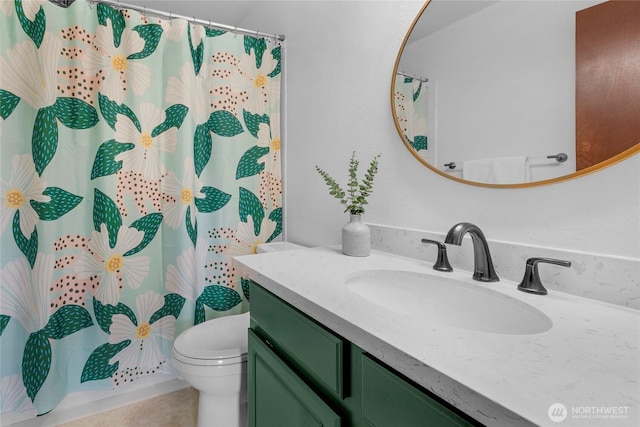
411 110
138 155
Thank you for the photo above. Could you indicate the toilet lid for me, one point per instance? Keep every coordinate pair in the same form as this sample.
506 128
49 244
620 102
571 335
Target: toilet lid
221 341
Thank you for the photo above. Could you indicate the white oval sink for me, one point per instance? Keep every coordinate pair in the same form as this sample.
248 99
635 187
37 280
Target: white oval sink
448 301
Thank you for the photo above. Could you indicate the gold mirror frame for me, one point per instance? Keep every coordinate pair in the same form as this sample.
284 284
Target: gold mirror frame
611 161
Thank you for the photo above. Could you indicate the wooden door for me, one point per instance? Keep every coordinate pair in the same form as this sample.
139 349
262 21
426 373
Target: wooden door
607 80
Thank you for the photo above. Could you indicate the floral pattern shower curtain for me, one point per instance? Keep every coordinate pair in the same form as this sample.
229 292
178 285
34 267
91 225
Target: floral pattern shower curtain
411 110
138 155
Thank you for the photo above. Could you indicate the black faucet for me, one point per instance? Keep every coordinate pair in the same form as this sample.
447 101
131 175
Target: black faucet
531 282
442 263
483 270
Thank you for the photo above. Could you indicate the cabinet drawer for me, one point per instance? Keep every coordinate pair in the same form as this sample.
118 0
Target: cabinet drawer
390 401
309 347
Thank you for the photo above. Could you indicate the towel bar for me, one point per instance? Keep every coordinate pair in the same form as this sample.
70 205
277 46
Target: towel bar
560 158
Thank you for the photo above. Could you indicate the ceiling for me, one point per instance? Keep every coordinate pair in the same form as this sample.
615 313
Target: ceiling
227 12
442 13
439 13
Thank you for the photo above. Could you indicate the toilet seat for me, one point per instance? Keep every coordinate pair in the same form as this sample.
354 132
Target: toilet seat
216 342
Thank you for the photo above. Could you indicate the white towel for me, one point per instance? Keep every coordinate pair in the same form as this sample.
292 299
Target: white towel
497 170
477 170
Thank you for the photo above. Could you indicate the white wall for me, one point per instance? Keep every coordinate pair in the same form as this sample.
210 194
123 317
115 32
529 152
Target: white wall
339 62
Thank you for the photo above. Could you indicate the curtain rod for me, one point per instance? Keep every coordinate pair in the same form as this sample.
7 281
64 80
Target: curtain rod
413 76
144 10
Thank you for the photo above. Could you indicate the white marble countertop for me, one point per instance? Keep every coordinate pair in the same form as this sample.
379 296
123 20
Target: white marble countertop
588 361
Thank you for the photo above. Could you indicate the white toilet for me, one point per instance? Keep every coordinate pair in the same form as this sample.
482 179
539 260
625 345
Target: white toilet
212 358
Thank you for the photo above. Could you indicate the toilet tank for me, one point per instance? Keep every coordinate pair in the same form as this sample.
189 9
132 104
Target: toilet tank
277 247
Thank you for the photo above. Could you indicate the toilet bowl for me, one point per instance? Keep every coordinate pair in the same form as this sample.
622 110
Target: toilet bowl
212 358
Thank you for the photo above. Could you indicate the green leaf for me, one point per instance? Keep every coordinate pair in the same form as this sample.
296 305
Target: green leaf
248 164
223 123
192 229
175 116
199 314
151 34
8 103
104 313
105 211
105 164
61 202
67 320
35 30
252 122
276 216
117 21
245 287
277 55
4 321
220 298
419 143
97 366
28 246
149 226
197 54
215 199
214 32
335 189
110 110
173 304
257 44
44 141
202 146
75 113
249 204
36 363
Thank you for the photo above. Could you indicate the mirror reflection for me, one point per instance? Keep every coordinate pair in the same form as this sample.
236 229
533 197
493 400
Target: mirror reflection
517 92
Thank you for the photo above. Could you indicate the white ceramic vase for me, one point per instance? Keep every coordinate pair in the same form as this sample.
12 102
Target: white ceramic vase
356 237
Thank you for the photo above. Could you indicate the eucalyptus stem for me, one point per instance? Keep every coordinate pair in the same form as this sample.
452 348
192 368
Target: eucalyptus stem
355 197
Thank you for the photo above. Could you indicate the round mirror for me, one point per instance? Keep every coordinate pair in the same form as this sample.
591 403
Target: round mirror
519 93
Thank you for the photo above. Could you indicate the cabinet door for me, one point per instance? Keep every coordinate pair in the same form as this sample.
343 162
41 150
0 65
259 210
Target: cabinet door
307 346
278 397
390 401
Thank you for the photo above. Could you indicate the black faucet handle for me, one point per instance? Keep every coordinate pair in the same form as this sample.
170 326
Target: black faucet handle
442 262
531 282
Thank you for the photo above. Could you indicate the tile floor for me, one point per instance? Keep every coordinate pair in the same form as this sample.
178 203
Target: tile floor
177 409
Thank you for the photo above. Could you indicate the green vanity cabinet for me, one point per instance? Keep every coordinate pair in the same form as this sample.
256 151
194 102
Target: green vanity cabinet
302 374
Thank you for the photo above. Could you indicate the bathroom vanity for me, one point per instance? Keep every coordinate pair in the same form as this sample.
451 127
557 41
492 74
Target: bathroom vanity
324 352
296 365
